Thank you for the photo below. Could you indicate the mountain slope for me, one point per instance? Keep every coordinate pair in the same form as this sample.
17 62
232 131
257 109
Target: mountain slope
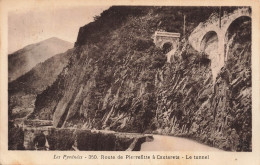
26 58
22 91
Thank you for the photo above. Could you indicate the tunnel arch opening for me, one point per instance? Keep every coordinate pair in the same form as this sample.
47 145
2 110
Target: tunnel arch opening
209 46
167 47
240 30
208 40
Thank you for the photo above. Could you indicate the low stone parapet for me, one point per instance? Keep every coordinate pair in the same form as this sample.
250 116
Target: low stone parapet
83 140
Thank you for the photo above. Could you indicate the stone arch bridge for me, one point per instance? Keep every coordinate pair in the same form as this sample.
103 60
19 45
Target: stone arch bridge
214 31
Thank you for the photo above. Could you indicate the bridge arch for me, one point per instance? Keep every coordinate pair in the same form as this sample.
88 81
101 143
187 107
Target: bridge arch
209 32
211 37
210 46
233 27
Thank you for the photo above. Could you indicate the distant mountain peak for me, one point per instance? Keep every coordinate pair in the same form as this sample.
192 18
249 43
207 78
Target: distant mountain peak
54 39
26 58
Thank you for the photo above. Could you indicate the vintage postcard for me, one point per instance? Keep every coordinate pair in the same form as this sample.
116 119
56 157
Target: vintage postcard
133 82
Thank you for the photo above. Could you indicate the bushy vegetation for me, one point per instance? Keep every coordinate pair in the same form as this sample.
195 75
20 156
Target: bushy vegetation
88 141
15 137
61 139
163 18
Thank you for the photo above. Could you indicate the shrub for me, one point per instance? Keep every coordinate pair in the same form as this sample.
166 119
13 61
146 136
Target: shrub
15 137
143 44
158 61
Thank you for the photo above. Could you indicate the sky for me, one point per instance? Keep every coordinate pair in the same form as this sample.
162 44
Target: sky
34 25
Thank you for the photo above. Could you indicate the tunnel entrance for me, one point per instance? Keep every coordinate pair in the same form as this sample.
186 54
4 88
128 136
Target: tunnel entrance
167 47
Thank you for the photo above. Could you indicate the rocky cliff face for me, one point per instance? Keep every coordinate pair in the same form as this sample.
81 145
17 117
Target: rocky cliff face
117 79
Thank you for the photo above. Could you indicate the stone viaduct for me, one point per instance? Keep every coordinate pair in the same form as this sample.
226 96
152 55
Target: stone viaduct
203 37
204 33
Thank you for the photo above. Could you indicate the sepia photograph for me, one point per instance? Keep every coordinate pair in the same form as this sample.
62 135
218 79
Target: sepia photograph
112 77
134 77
